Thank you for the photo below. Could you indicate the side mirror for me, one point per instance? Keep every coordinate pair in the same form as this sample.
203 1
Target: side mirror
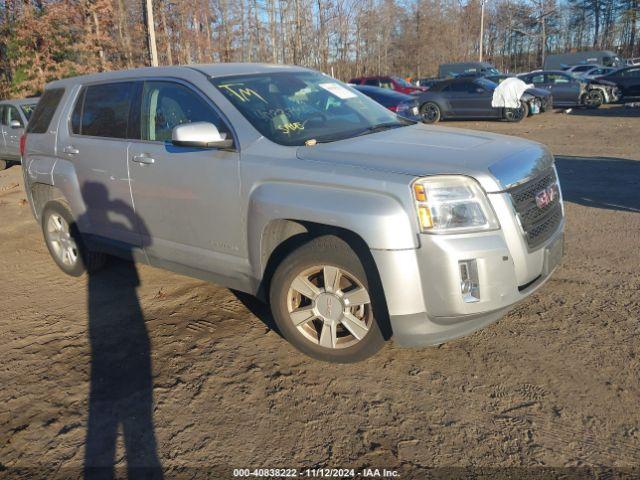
15 124
199 135
480 90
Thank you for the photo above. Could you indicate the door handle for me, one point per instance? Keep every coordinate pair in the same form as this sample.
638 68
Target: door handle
143 158
71 150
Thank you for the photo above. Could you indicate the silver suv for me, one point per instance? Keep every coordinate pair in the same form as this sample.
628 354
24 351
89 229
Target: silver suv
354 224
14 115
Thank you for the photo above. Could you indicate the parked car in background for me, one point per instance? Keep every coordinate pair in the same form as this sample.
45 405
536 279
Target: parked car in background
279 181
469 97
428 82
596 72
14 116
499 78
571 91
605 58
632 61
404 105
449 70
578 70
628 81
389 82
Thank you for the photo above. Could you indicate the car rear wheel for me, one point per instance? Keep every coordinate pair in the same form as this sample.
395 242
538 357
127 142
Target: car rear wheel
320 301
3 164
593 99
64 242
517 114
430 112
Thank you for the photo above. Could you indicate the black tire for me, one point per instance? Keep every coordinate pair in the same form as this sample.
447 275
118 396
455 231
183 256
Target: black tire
85 260
3 164
593 99
332 252
430 112
515 115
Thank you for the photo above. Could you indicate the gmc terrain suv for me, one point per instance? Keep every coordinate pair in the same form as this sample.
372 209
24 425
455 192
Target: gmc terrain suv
353 223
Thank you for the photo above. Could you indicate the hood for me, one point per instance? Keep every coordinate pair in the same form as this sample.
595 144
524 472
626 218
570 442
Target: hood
538 92
496 161
600 81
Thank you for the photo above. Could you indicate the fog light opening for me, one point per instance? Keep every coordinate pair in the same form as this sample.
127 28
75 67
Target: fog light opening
469 283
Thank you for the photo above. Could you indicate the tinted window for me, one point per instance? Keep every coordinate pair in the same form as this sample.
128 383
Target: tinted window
631 73
106 110
45 110
2 115
13 114
372 81
166 105
558 78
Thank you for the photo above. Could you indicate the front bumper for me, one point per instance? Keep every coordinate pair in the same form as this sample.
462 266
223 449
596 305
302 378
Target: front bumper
422 286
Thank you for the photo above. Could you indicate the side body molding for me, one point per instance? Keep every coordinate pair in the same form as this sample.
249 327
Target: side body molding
380 220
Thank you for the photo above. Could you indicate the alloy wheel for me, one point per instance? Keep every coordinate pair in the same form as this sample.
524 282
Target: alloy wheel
329 307
62 243
430 113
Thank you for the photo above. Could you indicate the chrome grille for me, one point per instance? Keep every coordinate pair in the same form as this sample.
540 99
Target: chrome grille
538 224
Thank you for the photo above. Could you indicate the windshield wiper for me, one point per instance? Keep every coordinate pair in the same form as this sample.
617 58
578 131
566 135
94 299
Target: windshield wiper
381 127
372 129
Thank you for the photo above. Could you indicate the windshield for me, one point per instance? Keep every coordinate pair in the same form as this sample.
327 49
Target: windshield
402 81
293 108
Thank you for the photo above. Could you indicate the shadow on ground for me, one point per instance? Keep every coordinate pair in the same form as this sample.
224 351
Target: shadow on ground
600 182
121 392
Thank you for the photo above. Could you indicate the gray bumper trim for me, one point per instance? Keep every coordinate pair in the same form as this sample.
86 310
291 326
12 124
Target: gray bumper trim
421 330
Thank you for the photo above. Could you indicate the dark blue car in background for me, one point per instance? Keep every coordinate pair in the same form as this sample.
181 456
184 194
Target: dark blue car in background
404 105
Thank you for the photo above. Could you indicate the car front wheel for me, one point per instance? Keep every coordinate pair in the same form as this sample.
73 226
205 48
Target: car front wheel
593 99
517 114
320 300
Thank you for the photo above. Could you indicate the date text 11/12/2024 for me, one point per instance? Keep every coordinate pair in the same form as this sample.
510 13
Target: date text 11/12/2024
316 473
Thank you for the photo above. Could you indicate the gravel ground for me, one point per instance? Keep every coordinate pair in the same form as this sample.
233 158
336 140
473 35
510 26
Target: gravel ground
191 377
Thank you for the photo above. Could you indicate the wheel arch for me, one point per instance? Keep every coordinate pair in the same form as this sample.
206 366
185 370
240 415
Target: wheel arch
278 211
283 236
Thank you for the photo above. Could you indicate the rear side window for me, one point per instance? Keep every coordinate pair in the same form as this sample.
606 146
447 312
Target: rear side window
2 115
105 110
45 110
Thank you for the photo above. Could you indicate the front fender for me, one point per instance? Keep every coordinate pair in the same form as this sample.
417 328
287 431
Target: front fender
379 219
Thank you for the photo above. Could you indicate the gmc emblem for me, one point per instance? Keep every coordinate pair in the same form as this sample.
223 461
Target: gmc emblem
546 196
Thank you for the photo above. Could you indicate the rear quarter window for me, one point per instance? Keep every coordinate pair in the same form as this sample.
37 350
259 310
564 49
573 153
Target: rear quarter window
45 110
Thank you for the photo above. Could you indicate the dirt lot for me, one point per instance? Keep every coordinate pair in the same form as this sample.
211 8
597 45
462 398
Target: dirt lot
199 384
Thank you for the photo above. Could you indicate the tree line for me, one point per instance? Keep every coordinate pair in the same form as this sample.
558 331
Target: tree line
43 40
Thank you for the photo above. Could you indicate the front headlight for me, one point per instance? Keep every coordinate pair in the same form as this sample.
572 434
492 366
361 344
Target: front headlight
452 204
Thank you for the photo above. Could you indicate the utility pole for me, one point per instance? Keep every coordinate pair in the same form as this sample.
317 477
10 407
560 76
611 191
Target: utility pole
481 28
151 33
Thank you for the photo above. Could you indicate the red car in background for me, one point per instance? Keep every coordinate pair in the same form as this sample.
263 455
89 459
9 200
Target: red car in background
393 83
